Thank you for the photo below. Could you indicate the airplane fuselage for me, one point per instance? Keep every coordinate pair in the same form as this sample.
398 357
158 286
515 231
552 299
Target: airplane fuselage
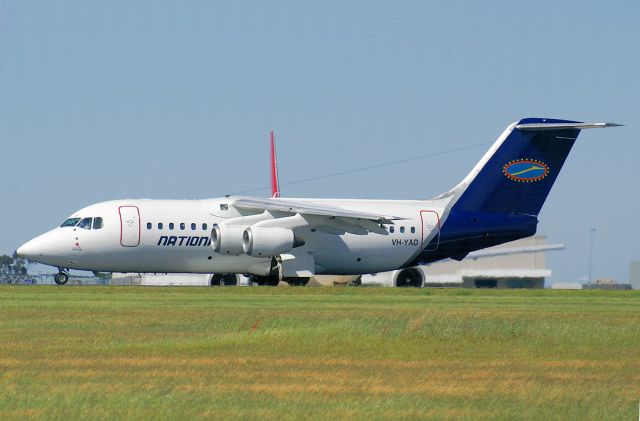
173 236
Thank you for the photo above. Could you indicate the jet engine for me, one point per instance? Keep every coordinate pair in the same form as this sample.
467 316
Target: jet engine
402 278
267 242
227 239
409 277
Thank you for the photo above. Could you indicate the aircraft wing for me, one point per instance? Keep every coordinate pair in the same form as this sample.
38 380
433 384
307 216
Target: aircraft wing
304 208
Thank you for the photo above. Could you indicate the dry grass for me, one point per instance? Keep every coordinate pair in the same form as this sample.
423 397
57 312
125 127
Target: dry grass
291 353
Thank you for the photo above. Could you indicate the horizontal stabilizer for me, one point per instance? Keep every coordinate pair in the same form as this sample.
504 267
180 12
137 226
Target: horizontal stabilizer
562 126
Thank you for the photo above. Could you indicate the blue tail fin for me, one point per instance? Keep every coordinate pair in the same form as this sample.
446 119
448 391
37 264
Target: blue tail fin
499 200
517 173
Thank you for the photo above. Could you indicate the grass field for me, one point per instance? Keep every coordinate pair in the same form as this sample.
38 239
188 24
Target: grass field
291 353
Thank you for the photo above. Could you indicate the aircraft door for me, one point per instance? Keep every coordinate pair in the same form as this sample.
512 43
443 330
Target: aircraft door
129 226
430 229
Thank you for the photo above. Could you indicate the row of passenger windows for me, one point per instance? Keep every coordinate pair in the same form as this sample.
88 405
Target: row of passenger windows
194 226
182 226
84 223
392 230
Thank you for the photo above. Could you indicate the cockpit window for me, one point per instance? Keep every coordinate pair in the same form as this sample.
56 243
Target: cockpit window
71 222
97 223
85 223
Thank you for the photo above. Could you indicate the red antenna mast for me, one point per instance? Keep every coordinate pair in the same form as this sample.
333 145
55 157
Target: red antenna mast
275 184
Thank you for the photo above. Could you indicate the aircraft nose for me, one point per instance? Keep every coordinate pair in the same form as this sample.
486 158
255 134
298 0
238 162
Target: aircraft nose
30 250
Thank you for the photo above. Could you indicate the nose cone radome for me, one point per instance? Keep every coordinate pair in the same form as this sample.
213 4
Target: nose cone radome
47 248
31 250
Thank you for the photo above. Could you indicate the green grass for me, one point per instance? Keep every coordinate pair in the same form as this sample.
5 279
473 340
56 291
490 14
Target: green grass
318 353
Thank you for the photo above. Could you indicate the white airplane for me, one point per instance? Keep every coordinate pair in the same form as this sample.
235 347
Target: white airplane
277 239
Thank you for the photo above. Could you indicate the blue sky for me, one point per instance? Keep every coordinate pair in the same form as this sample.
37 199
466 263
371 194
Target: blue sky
175 99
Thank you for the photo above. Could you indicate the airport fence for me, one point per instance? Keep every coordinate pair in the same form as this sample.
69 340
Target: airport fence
48 279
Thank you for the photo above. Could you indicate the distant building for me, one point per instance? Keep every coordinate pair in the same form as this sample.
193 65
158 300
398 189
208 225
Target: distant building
606 284
517 264
634 280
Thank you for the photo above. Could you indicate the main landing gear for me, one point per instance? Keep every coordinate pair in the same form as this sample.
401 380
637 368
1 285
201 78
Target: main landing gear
297 282
275 276
273 281
270 281
61 277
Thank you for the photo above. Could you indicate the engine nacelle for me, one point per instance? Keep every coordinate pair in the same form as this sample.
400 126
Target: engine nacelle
227 239
267 242
408 277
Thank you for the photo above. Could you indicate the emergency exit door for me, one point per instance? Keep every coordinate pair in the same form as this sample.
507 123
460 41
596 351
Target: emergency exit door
129 226
430 229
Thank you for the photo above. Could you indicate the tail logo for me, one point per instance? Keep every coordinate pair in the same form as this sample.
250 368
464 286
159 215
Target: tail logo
525 170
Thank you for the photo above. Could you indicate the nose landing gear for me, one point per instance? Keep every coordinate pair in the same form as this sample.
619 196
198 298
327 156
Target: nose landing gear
61 277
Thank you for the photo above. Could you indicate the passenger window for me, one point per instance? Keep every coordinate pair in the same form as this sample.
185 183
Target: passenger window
413 230
97 223
204 227
160 225
85 223
170 225
193 226
402 230
182 225
149 225
392 229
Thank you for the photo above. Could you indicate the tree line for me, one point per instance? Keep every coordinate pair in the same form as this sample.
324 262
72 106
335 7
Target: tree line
13 265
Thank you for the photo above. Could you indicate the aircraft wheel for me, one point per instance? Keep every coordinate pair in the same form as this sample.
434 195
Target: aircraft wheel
297 282
61 278
223 279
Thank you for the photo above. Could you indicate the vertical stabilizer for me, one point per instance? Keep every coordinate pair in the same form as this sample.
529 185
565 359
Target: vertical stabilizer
500 199
517 173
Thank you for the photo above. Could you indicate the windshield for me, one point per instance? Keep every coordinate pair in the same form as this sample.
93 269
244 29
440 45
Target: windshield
71 222
85 223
